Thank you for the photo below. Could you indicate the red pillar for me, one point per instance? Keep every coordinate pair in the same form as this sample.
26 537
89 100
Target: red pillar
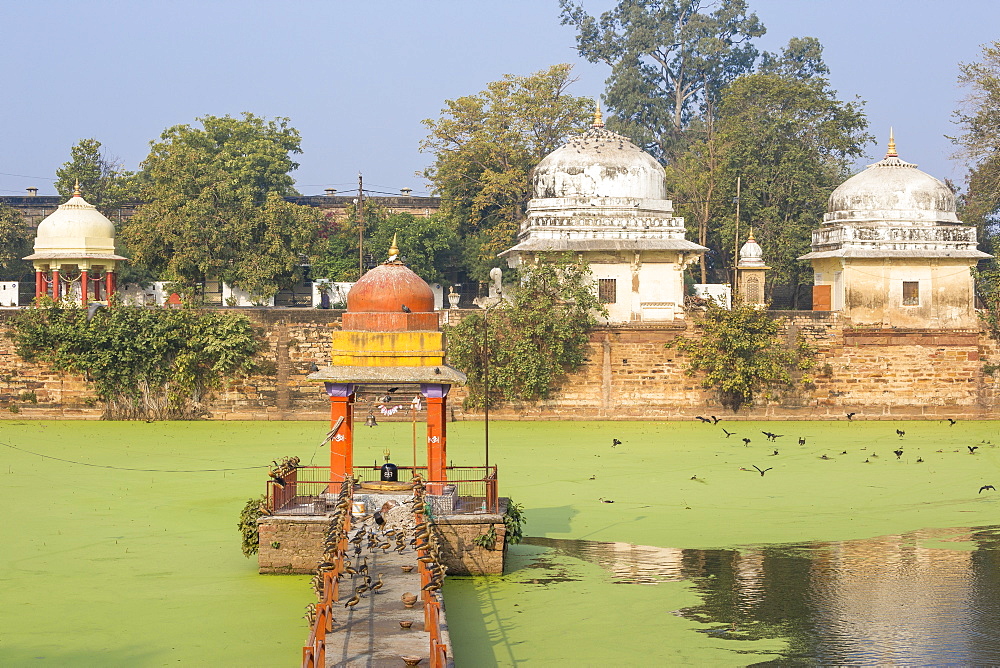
342 443
84 286
39 284
109 285
55 283
437 430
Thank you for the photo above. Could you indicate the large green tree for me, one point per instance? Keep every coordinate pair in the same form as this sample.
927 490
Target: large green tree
669 60
103 180
485 146
979 142
15 243
214 205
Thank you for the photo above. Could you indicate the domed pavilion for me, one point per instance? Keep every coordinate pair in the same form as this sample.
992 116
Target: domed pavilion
604 199
74 256
391 336
892 252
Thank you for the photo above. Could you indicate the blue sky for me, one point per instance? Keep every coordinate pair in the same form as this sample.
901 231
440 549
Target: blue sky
356 78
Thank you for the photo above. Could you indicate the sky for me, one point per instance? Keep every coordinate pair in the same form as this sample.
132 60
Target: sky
357 78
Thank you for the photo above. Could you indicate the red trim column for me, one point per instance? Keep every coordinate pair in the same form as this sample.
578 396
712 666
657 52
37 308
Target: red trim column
55 283
109 285
342 443
39 284
84 286
437 430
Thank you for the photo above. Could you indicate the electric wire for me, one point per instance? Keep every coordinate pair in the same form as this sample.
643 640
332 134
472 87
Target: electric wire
126 468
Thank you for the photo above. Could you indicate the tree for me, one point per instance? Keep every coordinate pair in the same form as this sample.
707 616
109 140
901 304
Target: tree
214 206
979 142
668 60
740 354
103 181
485 146
531 340
15 243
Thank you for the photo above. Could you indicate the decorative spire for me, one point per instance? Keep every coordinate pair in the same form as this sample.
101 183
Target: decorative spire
393 249
891 152
598 119
76 189
750 238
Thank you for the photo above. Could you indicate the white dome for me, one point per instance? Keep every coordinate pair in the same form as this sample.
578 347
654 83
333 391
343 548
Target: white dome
599 163
76 227
892 191
751 254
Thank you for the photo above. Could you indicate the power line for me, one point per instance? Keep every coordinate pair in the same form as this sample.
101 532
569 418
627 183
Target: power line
125 468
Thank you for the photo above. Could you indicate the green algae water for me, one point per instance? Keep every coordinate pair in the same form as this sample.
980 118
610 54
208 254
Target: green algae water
697 559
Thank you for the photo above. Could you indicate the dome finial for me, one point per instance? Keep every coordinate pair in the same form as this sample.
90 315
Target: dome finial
750 238
891 152
598 119
76 189
393 249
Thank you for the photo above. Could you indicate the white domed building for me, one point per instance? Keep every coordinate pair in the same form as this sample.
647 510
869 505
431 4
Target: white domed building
604 199
74 256
892 252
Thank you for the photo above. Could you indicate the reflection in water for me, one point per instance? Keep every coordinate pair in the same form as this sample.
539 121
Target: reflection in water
886 600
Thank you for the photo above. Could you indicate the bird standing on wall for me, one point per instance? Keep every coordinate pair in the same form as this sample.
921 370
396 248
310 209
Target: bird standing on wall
406 309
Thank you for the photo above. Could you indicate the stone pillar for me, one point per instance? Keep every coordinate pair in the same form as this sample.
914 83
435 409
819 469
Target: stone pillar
437 451
342 444
84 286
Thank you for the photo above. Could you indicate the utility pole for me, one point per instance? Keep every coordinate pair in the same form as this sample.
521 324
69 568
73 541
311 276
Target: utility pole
361 227
736 237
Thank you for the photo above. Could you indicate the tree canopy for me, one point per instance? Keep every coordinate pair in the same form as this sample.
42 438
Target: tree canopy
103 180
485 146
669 61
15 243
214 205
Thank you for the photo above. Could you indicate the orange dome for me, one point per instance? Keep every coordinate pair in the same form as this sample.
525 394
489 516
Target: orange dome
387 288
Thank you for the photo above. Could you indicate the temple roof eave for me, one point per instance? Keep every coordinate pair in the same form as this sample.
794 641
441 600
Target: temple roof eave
55 255
441 374
583 245
913 253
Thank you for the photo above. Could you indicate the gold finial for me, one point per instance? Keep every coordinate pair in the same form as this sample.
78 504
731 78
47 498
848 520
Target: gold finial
393 250
598 119
76 189
750 238
891 152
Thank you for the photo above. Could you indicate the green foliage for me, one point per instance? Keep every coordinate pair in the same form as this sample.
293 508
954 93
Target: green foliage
740 354
215 209
979 143
15 242
144 363
487 540
514 520
535 337
103 180
429 245
252 511
485 146
669 60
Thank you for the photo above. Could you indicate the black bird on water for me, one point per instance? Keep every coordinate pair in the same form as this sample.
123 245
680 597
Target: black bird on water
615 443
770 436
898 453
715 420
972 449
762 472
951 423
746 441
802 441
900 433
703 419
850 416
987 487
727 433
603 500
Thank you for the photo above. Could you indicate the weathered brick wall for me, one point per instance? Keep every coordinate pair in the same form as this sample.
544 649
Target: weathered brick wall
630 375
459 552
290 544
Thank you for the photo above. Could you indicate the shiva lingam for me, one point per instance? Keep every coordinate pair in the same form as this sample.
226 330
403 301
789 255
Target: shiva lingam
388 478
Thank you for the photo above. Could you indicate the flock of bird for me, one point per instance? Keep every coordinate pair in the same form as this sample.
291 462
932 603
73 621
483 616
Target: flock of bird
280 470
374 533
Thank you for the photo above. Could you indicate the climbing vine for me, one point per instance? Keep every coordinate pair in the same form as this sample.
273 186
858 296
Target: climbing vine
143 363
532 339
250 535
513 521
740 354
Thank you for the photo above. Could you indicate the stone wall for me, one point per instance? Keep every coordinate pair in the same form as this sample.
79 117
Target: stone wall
456 536
291 544
879 374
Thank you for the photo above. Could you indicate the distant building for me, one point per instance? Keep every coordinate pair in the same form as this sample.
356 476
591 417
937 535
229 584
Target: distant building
603 199
892 252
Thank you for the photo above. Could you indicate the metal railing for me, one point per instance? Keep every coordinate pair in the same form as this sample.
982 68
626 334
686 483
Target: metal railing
308 490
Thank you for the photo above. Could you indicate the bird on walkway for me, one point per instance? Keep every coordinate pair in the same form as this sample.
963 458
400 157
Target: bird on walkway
850 416
353 601
898 453
900 433
746 442
762 471
406 309
951 423
703 419
987 487
378 584
615 443
972 449
727 433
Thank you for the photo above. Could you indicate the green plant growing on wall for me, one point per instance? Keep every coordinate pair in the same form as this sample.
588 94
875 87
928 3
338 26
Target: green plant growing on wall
532 339
741 355
514 521
144 363
253 510
487 540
